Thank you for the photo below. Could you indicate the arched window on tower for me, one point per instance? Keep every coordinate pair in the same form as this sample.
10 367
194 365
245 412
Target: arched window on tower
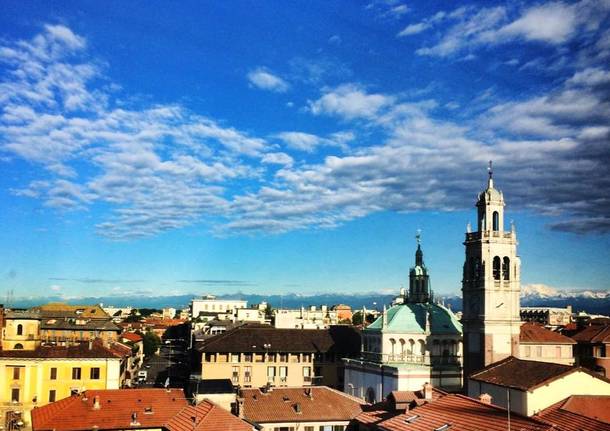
476 270
495 221
496 268
506 268
20 329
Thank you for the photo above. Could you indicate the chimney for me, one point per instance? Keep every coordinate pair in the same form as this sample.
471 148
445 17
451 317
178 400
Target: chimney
240 407
309 393
96 402
297 408
134 419
485 398
427 391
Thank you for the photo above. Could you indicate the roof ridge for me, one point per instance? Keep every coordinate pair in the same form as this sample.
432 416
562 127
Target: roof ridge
495 407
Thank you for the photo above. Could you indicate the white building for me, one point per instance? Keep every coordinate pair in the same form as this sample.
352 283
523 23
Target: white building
306 318
209 304
527 387
412 343
490 285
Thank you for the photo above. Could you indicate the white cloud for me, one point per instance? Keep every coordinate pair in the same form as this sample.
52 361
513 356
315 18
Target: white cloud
350 101
551 22
265 80
414 29
278 158
309 143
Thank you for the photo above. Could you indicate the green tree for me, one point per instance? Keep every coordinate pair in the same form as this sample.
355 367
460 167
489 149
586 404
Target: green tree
357 318
151 343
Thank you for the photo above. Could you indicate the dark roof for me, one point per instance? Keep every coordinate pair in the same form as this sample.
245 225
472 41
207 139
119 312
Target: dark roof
214 386
537 334
593 334
524 375
579 412
462 414
253 338
59 309
316 403
80 350
78 324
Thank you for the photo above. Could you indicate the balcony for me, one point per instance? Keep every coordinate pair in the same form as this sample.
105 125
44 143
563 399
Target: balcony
475 236
411 359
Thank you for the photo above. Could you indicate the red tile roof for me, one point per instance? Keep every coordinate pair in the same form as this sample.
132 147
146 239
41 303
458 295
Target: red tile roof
80 350
535 333
382 411
77 412
131 336
521 374
280 405
593 334
207 416
579 412
462 414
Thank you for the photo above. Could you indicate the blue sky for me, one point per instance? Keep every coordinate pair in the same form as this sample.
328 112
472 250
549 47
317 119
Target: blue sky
297 147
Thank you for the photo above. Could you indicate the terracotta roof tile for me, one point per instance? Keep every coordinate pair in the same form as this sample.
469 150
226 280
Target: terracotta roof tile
534 333
77 412
60 309
207 416
80 350
579 412
521 374
462 414
593 334
280 405
131 336
382 411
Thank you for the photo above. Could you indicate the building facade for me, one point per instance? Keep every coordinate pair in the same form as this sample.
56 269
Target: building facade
414 342
490 285
257 355
209 304
306 318
536 343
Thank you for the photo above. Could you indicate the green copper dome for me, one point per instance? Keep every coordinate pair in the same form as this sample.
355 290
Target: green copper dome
411 318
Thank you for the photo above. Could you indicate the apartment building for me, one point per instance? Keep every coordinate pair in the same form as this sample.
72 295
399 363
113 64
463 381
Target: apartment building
548 316
209 304
257 355
306 318
536 343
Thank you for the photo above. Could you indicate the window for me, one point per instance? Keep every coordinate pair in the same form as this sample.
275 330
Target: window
52 395
496 268
558 351
235 357
270 374
248 357
247 374
307 374
20 329
94 374
76 373
18 346
309 428
15 395
53 375
16 373
283 357
528 351
283 374
495 221
539 351
506 268
235 375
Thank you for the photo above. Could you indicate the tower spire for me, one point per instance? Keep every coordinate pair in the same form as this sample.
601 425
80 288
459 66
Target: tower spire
490 181
419 255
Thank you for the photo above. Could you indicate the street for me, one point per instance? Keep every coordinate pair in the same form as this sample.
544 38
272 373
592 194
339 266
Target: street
172 361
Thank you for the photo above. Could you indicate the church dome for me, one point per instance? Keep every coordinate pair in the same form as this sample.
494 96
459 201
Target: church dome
490 194
411 318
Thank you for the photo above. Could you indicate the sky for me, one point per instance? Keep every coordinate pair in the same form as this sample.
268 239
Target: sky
156 148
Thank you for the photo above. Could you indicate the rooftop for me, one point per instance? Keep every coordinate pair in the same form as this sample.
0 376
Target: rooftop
85 350
134 409
460 413
317 403
594 334
60 309
263 338
579 412
537 334
524 375
153 408
131 336
411 318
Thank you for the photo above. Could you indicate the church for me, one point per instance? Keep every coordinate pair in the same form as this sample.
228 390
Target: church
417 341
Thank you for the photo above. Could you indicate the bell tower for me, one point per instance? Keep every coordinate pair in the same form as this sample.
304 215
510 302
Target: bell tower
490 285
419 281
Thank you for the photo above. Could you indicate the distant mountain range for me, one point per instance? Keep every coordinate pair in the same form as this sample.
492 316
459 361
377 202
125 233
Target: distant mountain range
595 302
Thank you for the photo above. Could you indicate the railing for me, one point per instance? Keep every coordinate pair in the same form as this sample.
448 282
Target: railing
412 359
473 236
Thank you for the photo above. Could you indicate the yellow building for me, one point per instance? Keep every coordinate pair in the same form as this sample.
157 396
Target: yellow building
33 373
257 355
